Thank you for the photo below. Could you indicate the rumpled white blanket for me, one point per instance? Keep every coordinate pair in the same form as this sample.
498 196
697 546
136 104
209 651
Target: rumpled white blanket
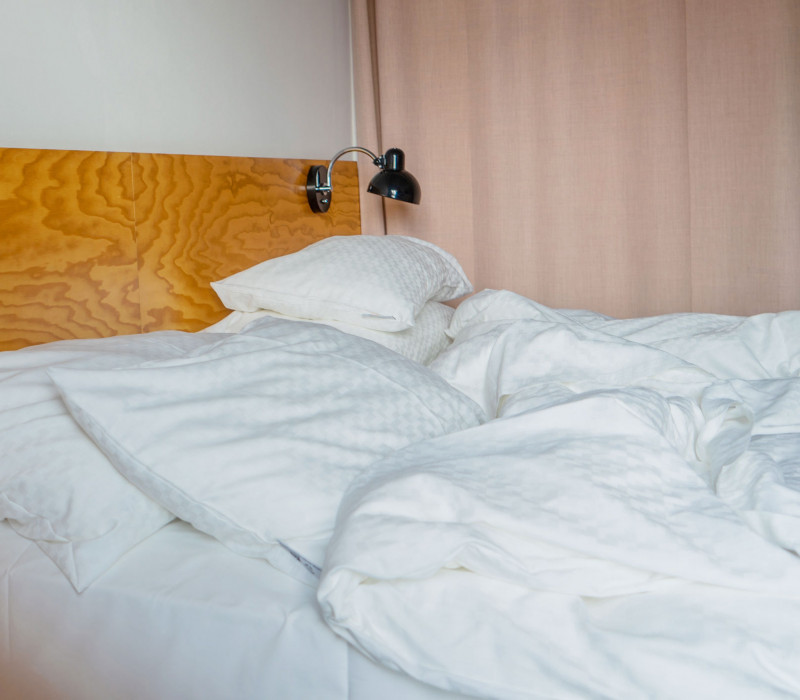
628 525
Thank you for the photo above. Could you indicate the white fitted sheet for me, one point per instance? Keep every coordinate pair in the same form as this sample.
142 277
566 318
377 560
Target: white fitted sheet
180 616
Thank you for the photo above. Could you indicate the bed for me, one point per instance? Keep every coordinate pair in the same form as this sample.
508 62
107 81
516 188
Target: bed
305 474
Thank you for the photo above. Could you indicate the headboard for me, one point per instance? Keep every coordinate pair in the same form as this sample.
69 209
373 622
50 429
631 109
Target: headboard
94 244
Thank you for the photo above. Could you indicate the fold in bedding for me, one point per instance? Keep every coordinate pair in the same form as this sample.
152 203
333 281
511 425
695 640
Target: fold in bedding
625 527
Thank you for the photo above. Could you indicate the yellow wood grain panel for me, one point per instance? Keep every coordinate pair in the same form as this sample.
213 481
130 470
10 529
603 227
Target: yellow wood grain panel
100 244
200 219
68 262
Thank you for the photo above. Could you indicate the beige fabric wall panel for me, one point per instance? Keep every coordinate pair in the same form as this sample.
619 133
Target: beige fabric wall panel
580 194
631 156
424 108
744 126
367 94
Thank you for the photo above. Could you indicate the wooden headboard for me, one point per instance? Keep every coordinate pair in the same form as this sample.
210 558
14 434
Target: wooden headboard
95 244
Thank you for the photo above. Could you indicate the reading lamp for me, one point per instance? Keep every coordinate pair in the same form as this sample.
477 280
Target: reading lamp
392 181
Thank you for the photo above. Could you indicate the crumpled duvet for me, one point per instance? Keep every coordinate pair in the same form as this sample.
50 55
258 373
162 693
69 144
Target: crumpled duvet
627 526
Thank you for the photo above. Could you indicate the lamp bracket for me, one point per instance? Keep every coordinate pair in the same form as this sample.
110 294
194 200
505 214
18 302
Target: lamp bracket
318 183
319 193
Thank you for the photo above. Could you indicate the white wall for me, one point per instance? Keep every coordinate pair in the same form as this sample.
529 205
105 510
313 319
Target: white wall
216 77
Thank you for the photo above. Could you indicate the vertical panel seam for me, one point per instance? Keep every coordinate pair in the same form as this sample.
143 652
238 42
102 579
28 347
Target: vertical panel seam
689 190
136 245
372 22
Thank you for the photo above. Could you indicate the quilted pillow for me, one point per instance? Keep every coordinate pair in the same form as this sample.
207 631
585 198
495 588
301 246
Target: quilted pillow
255 439
377 282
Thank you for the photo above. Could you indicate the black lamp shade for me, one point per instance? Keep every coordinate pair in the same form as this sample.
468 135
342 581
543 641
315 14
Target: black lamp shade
395 182
402 186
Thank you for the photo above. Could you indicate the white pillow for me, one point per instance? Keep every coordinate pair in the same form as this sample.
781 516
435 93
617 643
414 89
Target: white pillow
378 282
255 439
422 342
56 487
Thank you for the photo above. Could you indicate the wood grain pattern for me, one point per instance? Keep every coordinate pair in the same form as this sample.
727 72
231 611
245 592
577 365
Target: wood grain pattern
98 244
68 267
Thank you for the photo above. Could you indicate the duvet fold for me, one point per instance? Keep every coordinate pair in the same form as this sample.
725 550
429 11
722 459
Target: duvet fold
609 534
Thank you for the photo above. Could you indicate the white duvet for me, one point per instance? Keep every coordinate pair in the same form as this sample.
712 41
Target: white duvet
628 526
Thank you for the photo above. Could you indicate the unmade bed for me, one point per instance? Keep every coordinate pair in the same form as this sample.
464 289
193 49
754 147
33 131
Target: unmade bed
325 482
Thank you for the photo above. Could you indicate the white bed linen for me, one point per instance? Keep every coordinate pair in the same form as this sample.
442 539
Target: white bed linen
254 438
421 343
765 346
180 616
56 486
627 527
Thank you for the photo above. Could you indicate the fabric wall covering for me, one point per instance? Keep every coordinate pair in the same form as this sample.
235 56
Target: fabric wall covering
631 156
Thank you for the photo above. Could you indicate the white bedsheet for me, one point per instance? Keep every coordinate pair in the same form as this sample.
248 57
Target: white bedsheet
627 526
180 616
